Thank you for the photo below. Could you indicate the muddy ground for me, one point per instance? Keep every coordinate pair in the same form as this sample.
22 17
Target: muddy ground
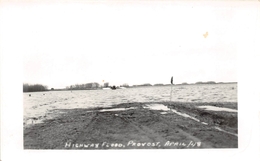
138 128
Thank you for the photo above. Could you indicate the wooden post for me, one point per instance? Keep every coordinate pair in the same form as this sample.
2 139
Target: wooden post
171 88
171 94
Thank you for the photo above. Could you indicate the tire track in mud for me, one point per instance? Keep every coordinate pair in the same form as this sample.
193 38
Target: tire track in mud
211 119
94 126
181 130
88 126
211 130
139 125
155 137
148 132
193 138
83 129
99 120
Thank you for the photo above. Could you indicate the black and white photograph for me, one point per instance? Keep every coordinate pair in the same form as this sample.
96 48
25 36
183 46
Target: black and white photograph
129 75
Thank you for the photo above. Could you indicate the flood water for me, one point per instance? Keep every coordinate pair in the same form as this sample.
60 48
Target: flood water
40 103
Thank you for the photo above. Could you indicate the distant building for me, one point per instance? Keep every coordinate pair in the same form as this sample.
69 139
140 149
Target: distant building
124 85
95 85
91 85
106 84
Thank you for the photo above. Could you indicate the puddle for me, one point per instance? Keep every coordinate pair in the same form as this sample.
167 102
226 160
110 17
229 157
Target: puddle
163 113
40 118
117 109
31 121
225 131
166 110
157 107
213 108
188 116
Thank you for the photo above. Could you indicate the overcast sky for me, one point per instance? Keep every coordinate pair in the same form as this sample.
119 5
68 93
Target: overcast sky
132 43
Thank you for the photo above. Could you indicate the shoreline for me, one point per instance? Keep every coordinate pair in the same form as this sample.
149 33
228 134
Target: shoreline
137 86
179 126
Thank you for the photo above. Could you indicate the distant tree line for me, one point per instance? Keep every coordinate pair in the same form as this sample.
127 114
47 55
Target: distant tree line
91 86
159 84
34 87
124 85
209 82
83 86
142 85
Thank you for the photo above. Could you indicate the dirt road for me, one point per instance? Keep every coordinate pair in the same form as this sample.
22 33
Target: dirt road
138 128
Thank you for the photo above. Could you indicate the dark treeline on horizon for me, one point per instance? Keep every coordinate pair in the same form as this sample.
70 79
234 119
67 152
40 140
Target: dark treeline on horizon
184 83
93 86
34 87
90 86
84 86
209 82
142 85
